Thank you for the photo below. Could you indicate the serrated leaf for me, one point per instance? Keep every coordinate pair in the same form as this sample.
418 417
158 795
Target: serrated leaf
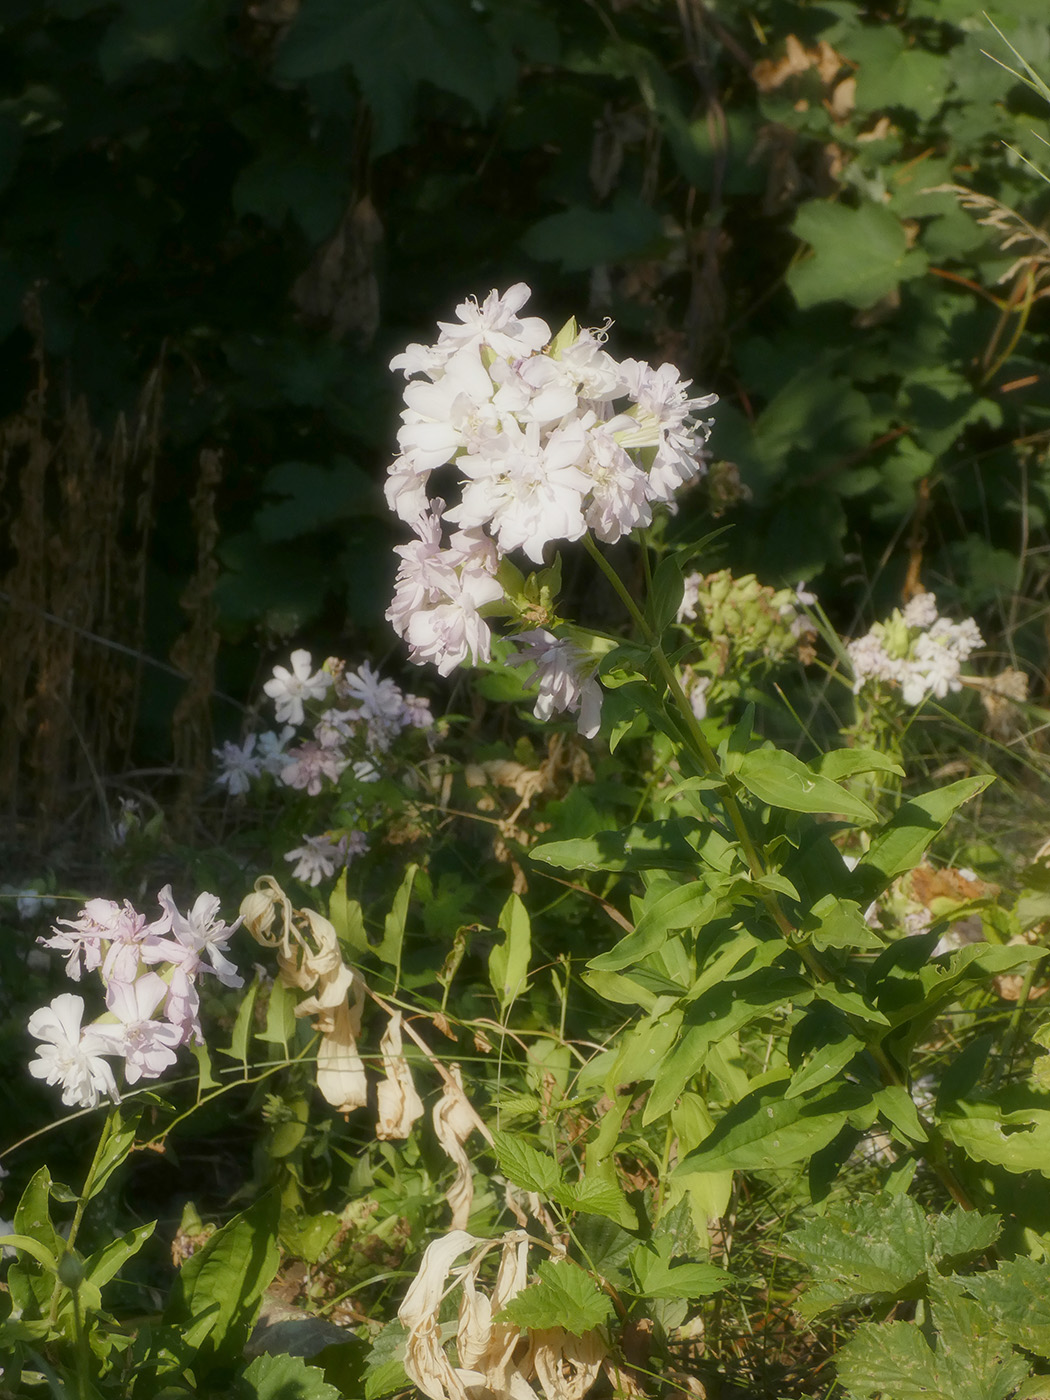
564 1296
525 1166
281 1377
581 236
592 1196
894 1359
658 1277
859 255
384 1371
392 46
961 1234
876 1247
1016 1297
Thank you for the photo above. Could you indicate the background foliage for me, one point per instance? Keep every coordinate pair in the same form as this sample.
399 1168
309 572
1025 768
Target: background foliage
268 199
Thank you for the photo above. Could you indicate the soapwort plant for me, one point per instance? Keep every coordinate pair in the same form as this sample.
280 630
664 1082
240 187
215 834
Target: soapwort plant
747 1009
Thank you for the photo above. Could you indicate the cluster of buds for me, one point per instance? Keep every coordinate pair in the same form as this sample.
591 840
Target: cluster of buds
915 651
745 626
149 972
352 719
542 438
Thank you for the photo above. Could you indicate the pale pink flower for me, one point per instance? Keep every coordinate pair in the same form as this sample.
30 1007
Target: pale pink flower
495 323
148 1046
71 1056
240 765
566 676
619 488
288 689
320 856
308 765
202 933
527 491
272 749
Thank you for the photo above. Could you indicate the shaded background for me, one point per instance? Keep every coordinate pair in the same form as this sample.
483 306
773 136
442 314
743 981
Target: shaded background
220 221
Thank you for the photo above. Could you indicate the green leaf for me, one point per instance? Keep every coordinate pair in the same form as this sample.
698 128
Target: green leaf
592 1196
580 237
658 1277
859 255
913 78
509 960
725 1008
895 1359
1018 1141
779 778
280 1017
844 763
565 1296
299 182
384 1371
525 1167
313 497
33 1214
766 1131
879 1247
685 906
666 596
228 1276
1016 1296
900 844
896 1104
243 1026
347 918
652 846
100 1267
824 1064
120 1139
838 923
392 46
389 948
960 1234
283 1378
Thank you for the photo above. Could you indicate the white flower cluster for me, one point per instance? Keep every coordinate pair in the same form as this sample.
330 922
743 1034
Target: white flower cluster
355 718
915 649
546 439
149 972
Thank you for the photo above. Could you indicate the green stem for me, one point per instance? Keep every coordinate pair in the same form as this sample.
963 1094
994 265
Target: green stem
1013 1029
82 1200
938 1155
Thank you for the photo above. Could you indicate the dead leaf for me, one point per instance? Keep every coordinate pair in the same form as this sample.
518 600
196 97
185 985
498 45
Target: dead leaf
399 1103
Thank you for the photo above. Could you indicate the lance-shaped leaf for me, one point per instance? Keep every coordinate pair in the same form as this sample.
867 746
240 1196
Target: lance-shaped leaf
765 1130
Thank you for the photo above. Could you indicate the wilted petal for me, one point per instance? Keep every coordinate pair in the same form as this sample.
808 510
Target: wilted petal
454 1121
399 1104
567 1366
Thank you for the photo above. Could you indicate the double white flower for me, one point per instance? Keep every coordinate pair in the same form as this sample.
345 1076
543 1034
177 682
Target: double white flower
547 438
